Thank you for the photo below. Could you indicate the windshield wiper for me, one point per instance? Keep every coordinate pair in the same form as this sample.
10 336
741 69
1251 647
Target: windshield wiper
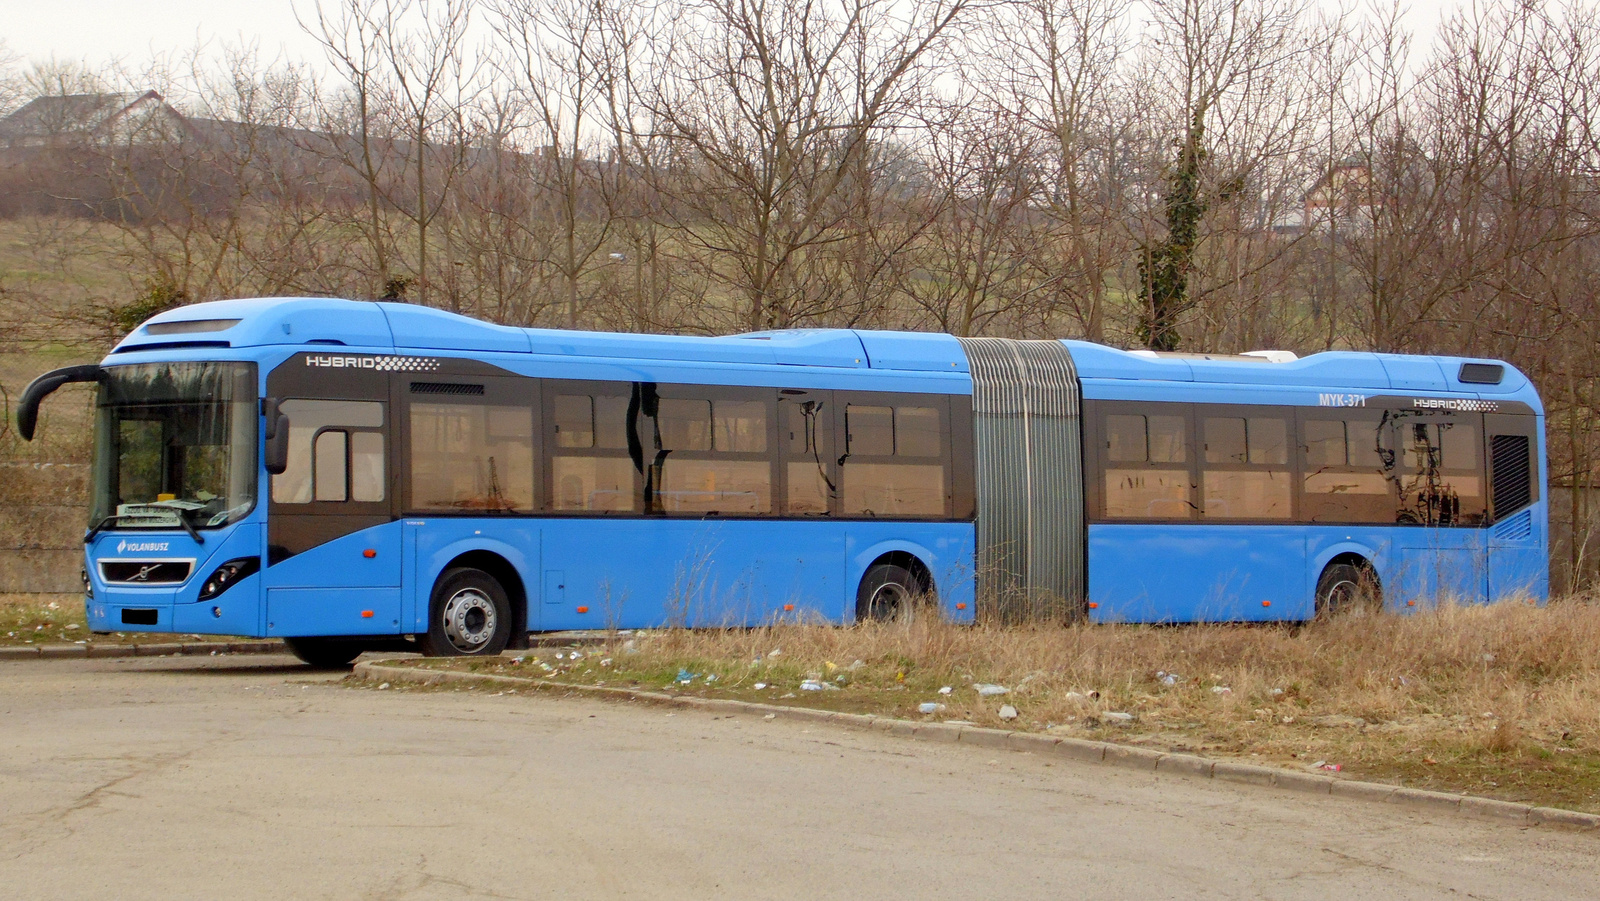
98 527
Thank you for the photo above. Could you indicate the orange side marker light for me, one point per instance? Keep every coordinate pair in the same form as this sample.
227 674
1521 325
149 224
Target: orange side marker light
369 553
583 609
788 607
1411 603
1093 605
962 605
1266 603
366 614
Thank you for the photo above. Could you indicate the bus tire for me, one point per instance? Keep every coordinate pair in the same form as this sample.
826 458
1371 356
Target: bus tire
888 592
325 653
1345 589
468 616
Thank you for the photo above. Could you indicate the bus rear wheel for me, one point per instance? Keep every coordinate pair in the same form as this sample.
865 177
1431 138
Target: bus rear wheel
888 592
469 616
325 653
1345 589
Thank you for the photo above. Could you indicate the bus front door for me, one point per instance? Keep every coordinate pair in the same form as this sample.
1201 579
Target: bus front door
333 545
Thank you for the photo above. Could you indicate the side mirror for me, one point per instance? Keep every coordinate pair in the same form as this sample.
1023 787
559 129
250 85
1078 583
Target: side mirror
277 450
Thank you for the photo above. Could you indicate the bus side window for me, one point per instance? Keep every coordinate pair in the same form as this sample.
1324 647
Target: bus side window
330 471
1146 476
713 456
894 460
1246 474
590 469
1344 478
807 442
336 452
471 458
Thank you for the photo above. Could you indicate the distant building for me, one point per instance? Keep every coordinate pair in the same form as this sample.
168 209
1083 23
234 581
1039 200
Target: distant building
1341 197
93 118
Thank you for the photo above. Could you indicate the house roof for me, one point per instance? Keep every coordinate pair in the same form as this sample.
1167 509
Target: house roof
64 113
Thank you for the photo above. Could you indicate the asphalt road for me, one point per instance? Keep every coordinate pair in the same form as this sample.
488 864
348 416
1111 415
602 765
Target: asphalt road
250 777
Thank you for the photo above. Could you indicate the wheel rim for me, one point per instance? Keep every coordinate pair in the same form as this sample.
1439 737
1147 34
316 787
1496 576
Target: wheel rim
1342 595
469 620
888 600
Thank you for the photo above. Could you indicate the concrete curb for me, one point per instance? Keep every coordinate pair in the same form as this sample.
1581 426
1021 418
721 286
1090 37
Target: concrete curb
1126 756
188 649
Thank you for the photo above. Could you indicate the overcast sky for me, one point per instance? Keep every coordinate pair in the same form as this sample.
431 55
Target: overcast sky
134 31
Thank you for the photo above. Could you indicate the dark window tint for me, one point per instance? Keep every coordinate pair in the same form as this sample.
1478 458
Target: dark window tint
807 434
916 432
1344 478
685 424
471 458
329 473
741 426
870 430
319 446
574 415
1325 443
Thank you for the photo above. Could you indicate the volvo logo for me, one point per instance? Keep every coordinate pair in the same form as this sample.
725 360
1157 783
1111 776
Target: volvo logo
143 574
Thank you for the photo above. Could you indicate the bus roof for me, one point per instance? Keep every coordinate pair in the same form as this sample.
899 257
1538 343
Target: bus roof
369 325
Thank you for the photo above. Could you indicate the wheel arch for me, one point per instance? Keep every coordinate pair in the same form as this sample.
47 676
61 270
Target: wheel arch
913 557
501 561
1359 556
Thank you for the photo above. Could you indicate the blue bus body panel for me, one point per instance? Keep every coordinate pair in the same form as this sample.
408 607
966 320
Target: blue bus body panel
1141 573
581 573
336 589
178 607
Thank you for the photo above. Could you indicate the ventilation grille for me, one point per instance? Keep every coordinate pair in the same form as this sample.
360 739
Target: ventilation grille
446 388
1516 528
1481 373
145 572
1510 474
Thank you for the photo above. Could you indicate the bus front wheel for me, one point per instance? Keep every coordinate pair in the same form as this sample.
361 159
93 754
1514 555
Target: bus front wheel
1346 588
325 653
469 616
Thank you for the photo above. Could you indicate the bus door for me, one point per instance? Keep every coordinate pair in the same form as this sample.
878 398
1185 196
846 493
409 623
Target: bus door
470 443
1437 461
333 547
1516 552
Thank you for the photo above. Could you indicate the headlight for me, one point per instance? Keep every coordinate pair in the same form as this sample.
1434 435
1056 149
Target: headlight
228 573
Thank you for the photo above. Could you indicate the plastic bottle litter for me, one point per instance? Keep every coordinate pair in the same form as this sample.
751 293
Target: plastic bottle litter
685 677
946 690
1116 716
1330 767
987 689
712 677
1221 690
1167 678
929 707
816 685
1007 712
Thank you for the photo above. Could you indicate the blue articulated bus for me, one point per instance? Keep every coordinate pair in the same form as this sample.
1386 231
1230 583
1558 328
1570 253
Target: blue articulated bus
348 475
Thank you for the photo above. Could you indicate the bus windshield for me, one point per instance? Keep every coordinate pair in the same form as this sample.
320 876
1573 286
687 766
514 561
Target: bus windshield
175 445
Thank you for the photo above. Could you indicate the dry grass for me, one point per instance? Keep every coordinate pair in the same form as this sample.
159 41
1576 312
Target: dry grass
1501 700
35 619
